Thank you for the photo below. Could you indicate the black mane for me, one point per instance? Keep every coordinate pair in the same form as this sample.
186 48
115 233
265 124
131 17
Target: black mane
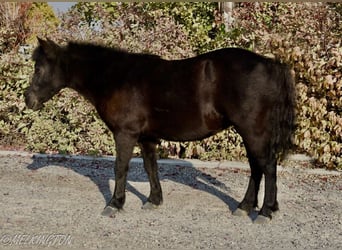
88 50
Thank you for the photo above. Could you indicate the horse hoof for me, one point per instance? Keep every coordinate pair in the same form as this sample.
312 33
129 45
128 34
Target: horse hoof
149 206
240 212
110 211
262 220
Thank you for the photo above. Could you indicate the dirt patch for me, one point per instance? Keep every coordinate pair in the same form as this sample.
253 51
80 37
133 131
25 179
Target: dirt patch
64 197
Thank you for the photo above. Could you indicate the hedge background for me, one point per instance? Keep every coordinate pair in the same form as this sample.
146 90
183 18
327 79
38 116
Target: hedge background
307 36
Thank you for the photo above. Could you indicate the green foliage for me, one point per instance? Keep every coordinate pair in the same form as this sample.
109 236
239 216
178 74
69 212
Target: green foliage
197 18
69 125
304 35
13 30
14 72
41 21
21 22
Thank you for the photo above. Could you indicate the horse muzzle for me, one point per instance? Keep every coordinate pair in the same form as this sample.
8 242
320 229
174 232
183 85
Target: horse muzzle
32 101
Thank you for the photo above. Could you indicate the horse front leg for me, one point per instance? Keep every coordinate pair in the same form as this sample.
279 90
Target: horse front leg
151 167
124 149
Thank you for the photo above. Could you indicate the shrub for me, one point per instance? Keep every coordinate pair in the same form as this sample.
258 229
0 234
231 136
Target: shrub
13 30
304 35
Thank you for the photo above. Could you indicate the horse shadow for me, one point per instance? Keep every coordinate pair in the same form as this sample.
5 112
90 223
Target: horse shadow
101 172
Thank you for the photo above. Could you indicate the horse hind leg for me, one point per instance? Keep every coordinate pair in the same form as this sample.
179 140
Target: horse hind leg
262 162
270 204
250 201
268 166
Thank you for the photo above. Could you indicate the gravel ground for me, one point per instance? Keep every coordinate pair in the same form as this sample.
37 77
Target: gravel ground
57 202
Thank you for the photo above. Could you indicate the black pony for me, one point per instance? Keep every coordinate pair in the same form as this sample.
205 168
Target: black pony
143 98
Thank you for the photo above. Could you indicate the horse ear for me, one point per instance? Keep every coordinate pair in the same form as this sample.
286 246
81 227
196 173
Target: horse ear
52 43
40 41
49 47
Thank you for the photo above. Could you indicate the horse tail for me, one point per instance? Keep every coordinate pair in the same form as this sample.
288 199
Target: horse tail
283 112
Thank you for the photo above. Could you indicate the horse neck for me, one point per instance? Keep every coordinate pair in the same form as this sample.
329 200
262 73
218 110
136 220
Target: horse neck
85 78
77 80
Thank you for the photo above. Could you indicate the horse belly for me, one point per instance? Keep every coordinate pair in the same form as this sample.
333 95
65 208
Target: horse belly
187 126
